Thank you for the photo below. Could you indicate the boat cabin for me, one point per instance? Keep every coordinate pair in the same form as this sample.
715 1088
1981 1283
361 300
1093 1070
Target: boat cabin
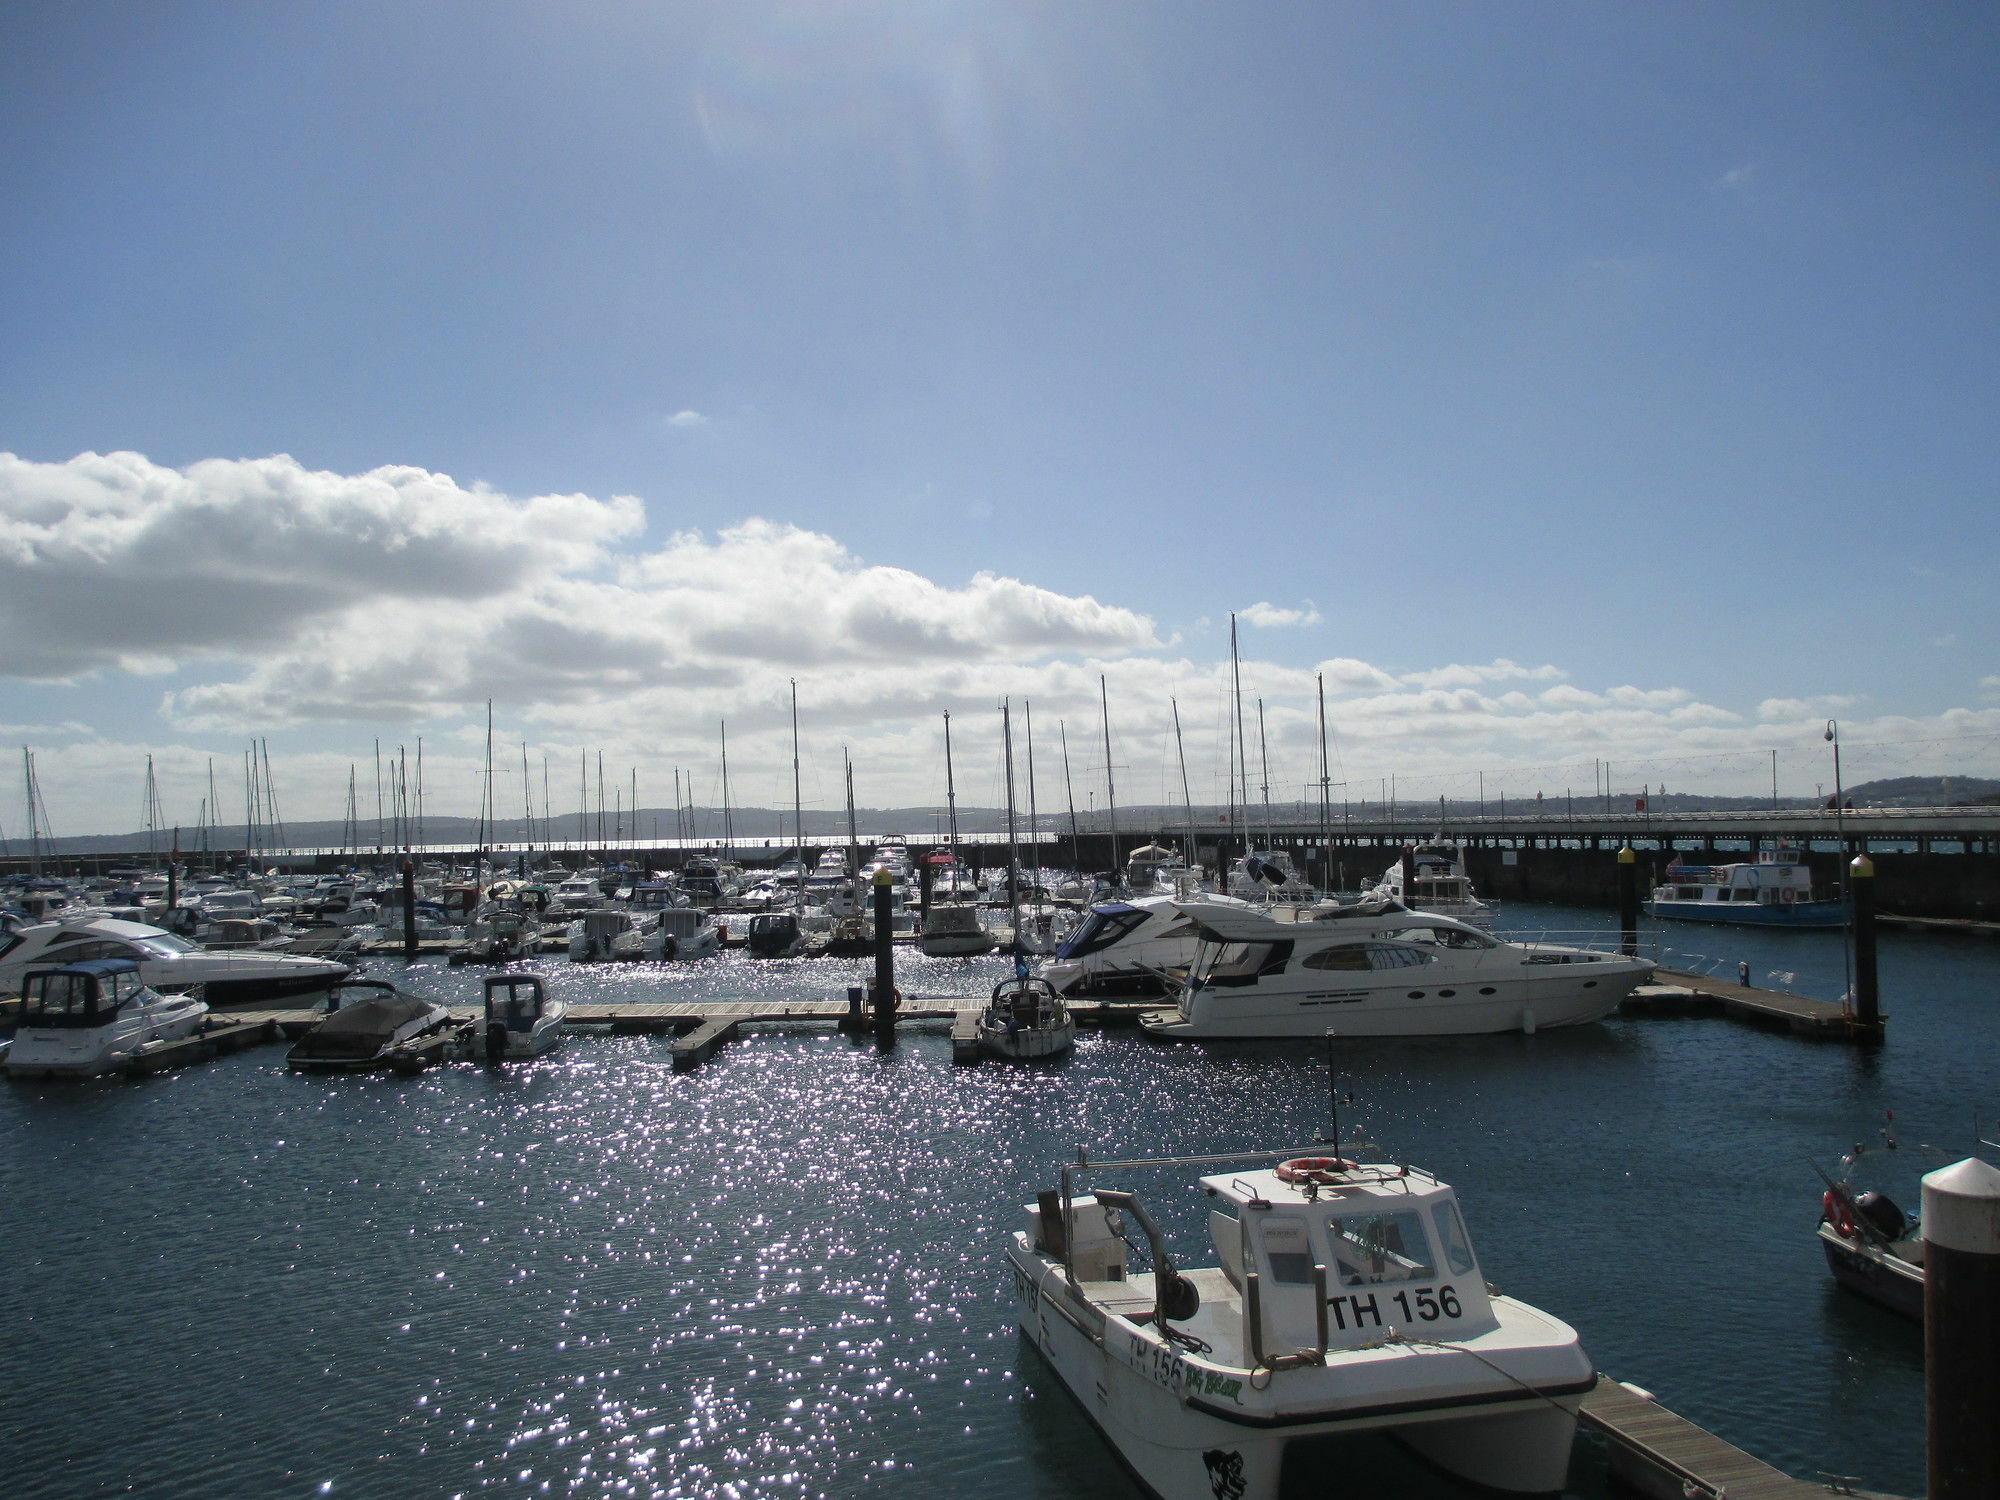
1316 1254
652 895
80 996
1778 877
515 1001
681 923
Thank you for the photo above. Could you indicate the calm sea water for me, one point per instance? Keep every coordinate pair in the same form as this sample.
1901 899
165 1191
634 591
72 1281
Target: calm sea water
778 1276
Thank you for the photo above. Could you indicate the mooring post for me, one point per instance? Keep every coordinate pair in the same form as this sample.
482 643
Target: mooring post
1867 988
409 911
885 970
1961 1219
926 876
1628 901
857 996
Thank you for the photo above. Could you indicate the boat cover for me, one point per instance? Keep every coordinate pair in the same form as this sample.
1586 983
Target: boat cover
364 1028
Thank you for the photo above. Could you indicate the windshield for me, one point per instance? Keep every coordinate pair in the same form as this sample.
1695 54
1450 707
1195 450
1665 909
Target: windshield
1375 1248
164 945
1100 930
64 1000
1238 963
1442 937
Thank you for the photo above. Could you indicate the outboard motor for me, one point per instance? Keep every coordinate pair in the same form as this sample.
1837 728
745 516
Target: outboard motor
1881 1215
496 1043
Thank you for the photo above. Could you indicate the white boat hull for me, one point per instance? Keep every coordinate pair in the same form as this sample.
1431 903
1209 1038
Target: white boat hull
1026 1043
84 1053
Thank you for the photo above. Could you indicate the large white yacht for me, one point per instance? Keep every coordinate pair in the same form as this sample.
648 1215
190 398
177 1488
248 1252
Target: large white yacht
1338 1298
166 963
1442 886
93 1016
1377 969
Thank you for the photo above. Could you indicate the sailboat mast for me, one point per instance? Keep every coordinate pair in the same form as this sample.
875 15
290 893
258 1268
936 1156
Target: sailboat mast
486 782
950 791
798 798
152 812
34 821
1069 792
1187 797
728 827
1264 761
1325 794
1239 766
1034 824
1013 847
527 802
1110 787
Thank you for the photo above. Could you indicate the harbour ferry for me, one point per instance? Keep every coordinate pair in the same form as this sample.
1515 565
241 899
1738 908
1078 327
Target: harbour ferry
1774 891
1340 1297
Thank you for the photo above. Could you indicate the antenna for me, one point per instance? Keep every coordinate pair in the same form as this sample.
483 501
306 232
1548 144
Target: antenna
1334 1097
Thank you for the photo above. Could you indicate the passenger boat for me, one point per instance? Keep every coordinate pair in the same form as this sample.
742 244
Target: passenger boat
1774 891
1340 1298
1376 969
1437 870
953 931
373 1019
522 1018
94 1016
1025 1018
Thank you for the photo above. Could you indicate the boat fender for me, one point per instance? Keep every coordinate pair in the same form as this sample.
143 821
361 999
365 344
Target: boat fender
1179 1298
1313 1169
1833 1210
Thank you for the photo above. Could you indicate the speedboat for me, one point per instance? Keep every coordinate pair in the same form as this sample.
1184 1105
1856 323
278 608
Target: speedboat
166 963
1340 1298
1376 969
1025 1018
953 931
372 1021
1775 891
1873 1248
1437 870
605 937
1126 948
522 1018
681 932
94 1016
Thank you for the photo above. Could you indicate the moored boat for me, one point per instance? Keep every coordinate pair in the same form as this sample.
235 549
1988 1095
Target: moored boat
372 1021
522 1018
1025 1019
93 1017
1775 890
1341 1298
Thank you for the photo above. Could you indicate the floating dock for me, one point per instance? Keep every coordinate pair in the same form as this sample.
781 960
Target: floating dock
1673 990
1662 1455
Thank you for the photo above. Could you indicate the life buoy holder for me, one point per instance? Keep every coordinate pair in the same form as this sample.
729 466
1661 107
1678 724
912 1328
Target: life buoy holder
1318 1169
1834 1210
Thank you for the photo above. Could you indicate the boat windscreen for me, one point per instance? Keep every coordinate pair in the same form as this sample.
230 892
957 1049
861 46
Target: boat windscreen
1104 926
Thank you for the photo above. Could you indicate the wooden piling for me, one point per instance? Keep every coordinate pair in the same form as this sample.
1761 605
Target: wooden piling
1628 901
885 968
409 911
1861 898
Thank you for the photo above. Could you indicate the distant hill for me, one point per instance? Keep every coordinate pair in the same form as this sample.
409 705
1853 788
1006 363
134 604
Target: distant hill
1927 791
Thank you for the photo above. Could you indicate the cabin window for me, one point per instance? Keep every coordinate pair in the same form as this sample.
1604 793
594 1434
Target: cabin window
1386 956
1451 1238
1377 1248
1239 963
1344 956
1288 1251
1100 930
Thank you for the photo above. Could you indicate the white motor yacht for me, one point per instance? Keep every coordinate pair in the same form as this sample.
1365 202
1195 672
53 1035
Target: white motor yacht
1376 969
167 963
1339 1298
93 1016
606 936
522 1018
953 931
1126 947
1442 886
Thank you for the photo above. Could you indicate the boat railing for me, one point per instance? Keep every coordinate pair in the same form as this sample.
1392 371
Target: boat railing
1607 941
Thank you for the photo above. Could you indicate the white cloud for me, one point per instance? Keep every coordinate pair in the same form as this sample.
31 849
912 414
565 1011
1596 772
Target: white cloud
1501 670
687 418
1819 707
1271 617
1738 176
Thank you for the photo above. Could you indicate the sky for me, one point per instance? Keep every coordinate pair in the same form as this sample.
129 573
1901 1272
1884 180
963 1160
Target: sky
1560 383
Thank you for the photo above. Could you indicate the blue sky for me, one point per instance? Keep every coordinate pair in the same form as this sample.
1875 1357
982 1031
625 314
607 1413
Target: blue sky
1653 346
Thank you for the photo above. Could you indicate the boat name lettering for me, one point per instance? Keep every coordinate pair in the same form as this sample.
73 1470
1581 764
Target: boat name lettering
1422 1304
1165 1367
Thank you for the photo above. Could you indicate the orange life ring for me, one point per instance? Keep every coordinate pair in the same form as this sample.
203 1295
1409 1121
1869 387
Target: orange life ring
1833 1210
1313 1168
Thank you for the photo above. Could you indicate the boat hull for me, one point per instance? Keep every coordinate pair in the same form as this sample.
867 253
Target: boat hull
1812 914
1883 1279
40 1052
1026 1043
1187 1434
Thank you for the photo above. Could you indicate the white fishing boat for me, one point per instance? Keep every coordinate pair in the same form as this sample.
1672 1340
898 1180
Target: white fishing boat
167 963
1375 969
952 930
1441 885
94 1016
1026 1019
1339 1298
681 933
522 1018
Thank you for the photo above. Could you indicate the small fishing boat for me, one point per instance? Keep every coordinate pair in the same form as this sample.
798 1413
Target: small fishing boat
1872 1247
606 936
853 936
1025 1018
1774 891
951 930
522 1018
93 1017
1341 1298
372 1021
682 933
508 939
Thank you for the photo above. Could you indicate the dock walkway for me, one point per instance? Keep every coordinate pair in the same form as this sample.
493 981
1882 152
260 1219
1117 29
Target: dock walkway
1663 1455
1674 989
